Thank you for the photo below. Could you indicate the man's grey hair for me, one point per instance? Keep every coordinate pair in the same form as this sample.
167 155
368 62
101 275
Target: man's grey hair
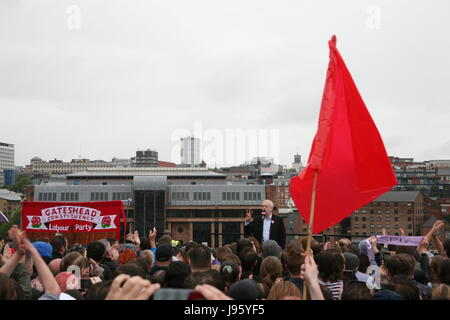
270 202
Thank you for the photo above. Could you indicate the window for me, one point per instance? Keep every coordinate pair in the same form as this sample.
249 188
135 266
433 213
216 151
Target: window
410 234
63 196
72 196
379 226
101 195
245 196
208 196
363 218
363 211
388 226
395 211
409 219
224 196
356 218
388 211
45 196
379 219
388 219
115 196
259 195
92 196
233 196
76 196
379 211
356 225
364 226
364 233
395 226
396 219
410 226
371 211
372 226
396 233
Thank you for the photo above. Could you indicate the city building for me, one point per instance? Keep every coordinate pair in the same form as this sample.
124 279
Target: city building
190 151
6 164
297 164
9 201
40 169
192 203
145 159
394 210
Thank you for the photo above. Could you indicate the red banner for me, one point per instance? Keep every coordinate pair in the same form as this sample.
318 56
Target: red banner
104 216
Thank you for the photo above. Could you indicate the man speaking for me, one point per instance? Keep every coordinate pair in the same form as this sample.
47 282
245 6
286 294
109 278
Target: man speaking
266 227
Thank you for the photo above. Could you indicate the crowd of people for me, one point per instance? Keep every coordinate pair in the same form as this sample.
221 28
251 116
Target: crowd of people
143 268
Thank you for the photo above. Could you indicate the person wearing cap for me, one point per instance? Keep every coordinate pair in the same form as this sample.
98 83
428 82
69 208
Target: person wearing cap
266 227
163 258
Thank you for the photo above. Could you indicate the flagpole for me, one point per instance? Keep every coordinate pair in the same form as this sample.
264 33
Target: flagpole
311 220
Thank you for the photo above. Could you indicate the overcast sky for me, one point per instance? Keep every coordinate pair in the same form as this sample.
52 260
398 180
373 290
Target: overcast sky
103 78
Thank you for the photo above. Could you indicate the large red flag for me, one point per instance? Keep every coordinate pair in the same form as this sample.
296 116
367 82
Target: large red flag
347 152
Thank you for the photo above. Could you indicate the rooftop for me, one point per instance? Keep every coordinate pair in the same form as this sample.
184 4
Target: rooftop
10 195
398 196
157 171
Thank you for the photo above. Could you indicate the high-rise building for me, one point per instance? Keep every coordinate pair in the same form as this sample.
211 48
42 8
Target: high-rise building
144 159
190 151
6 164
297 164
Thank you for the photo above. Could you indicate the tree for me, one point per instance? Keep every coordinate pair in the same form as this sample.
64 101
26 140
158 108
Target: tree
14 218
21 181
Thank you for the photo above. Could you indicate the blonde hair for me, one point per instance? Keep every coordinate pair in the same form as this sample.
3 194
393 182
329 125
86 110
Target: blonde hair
282 289
441 292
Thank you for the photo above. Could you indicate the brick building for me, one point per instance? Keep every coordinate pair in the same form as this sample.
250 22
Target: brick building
394 210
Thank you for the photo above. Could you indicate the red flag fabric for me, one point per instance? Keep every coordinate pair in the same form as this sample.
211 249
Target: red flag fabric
347 152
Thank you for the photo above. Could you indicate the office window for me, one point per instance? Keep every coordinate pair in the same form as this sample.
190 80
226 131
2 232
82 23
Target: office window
237 196
245 196
72 196
208 196
259 195
63 196
92 196
233 196
101 196
76 196
106 196
114 196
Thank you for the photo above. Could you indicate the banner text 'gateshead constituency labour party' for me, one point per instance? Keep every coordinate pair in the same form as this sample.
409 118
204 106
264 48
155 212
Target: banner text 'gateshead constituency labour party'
72 216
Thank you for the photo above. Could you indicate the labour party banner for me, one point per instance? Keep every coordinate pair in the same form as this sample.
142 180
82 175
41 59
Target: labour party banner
72 216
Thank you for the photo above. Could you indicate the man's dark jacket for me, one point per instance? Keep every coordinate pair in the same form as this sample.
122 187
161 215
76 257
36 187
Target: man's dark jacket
277 230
